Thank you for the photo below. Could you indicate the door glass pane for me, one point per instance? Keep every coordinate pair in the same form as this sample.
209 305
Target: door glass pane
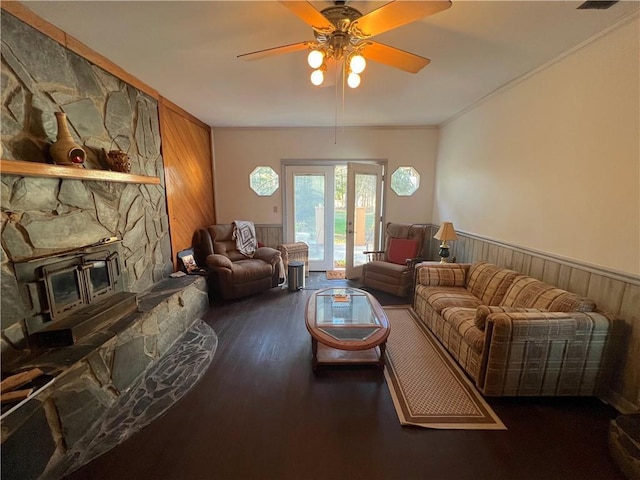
365 202
340 217
308 205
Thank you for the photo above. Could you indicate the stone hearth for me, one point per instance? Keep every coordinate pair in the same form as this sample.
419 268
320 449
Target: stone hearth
97 380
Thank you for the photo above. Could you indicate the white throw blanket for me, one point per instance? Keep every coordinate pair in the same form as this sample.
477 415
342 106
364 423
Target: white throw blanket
245 234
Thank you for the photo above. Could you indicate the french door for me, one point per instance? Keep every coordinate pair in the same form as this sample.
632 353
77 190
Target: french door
336 209
364 214
309 211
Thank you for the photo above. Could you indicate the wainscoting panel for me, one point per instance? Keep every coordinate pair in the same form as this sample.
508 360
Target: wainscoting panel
269 235
614 292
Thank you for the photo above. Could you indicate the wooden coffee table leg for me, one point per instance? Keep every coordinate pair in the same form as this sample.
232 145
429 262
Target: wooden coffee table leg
314 350
383 347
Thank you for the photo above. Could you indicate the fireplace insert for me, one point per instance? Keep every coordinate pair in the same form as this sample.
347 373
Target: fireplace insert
70 295
80 281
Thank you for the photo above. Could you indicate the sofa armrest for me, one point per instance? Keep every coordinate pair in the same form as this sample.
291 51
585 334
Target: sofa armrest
543 353
432 274
202 245
268 254
218 261
483 311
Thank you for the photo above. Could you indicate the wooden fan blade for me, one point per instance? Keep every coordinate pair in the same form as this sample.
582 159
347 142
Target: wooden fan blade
269 52
394 57
312 17
393 15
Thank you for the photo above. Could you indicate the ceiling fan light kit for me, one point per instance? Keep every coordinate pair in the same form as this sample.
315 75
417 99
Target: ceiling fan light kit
315 58
343 34
317 77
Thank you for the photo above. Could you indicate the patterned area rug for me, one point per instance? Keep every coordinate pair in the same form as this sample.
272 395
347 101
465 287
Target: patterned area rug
428 388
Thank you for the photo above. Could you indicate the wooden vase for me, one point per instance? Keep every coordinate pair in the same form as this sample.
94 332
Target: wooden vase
65 151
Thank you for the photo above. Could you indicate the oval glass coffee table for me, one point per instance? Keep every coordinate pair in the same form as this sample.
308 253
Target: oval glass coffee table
347 326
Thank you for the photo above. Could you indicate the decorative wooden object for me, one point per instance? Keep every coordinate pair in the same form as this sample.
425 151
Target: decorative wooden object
118 160
37 169
65 151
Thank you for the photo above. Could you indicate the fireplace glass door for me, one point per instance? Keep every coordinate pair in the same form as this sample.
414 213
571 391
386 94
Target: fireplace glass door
65 291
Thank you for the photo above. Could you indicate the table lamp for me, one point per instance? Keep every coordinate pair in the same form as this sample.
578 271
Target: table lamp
445 233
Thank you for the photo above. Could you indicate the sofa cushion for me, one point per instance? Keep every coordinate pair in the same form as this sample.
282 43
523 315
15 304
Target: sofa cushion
528 292
489 282
462 321
442 275
442 297
483 311
401 249
386 269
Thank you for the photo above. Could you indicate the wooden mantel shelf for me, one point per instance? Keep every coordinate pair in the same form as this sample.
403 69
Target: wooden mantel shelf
37 169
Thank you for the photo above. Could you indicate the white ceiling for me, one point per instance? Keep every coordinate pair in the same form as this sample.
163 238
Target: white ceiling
187 52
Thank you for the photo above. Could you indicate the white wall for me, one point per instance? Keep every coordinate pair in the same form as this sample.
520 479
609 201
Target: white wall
552 163
237 151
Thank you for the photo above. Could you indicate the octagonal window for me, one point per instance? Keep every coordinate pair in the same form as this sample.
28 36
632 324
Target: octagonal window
405 181
264 181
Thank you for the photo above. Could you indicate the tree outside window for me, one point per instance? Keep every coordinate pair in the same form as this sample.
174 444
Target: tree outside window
264 181
405 181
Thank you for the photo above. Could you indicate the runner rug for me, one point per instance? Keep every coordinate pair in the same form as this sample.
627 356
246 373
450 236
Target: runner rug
428 388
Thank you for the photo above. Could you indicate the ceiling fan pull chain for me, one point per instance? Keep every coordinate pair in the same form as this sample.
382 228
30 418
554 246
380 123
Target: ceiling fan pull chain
335 103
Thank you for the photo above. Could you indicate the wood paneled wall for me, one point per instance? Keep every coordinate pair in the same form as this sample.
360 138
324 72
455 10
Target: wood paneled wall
188 167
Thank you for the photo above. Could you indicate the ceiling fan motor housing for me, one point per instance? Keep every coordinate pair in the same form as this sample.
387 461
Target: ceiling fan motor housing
341 16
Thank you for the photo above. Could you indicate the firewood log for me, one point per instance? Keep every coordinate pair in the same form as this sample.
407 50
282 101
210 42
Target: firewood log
15 396
19 379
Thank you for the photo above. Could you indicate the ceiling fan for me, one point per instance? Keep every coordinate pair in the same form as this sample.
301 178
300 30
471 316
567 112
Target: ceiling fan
343 35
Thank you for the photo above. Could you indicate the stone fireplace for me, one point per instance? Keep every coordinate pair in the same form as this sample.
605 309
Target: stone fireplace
84 264
45 217
73 294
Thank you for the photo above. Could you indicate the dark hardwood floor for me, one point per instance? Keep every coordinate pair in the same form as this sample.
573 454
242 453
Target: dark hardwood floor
260 413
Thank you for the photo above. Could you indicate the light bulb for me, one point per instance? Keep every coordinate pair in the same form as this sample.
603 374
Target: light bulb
315 58
317 77
353 80
357 64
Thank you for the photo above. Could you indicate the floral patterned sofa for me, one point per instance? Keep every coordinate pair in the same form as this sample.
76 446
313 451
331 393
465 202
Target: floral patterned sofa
512 334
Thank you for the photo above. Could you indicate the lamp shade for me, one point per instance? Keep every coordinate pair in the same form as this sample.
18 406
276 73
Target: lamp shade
446 232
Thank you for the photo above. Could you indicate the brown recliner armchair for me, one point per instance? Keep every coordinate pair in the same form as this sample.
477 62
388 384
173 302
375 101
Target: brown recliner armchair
231 274
392 270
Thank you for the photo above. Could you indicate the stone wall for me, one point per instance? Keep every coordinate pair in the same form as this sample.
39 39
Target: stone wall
40 216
